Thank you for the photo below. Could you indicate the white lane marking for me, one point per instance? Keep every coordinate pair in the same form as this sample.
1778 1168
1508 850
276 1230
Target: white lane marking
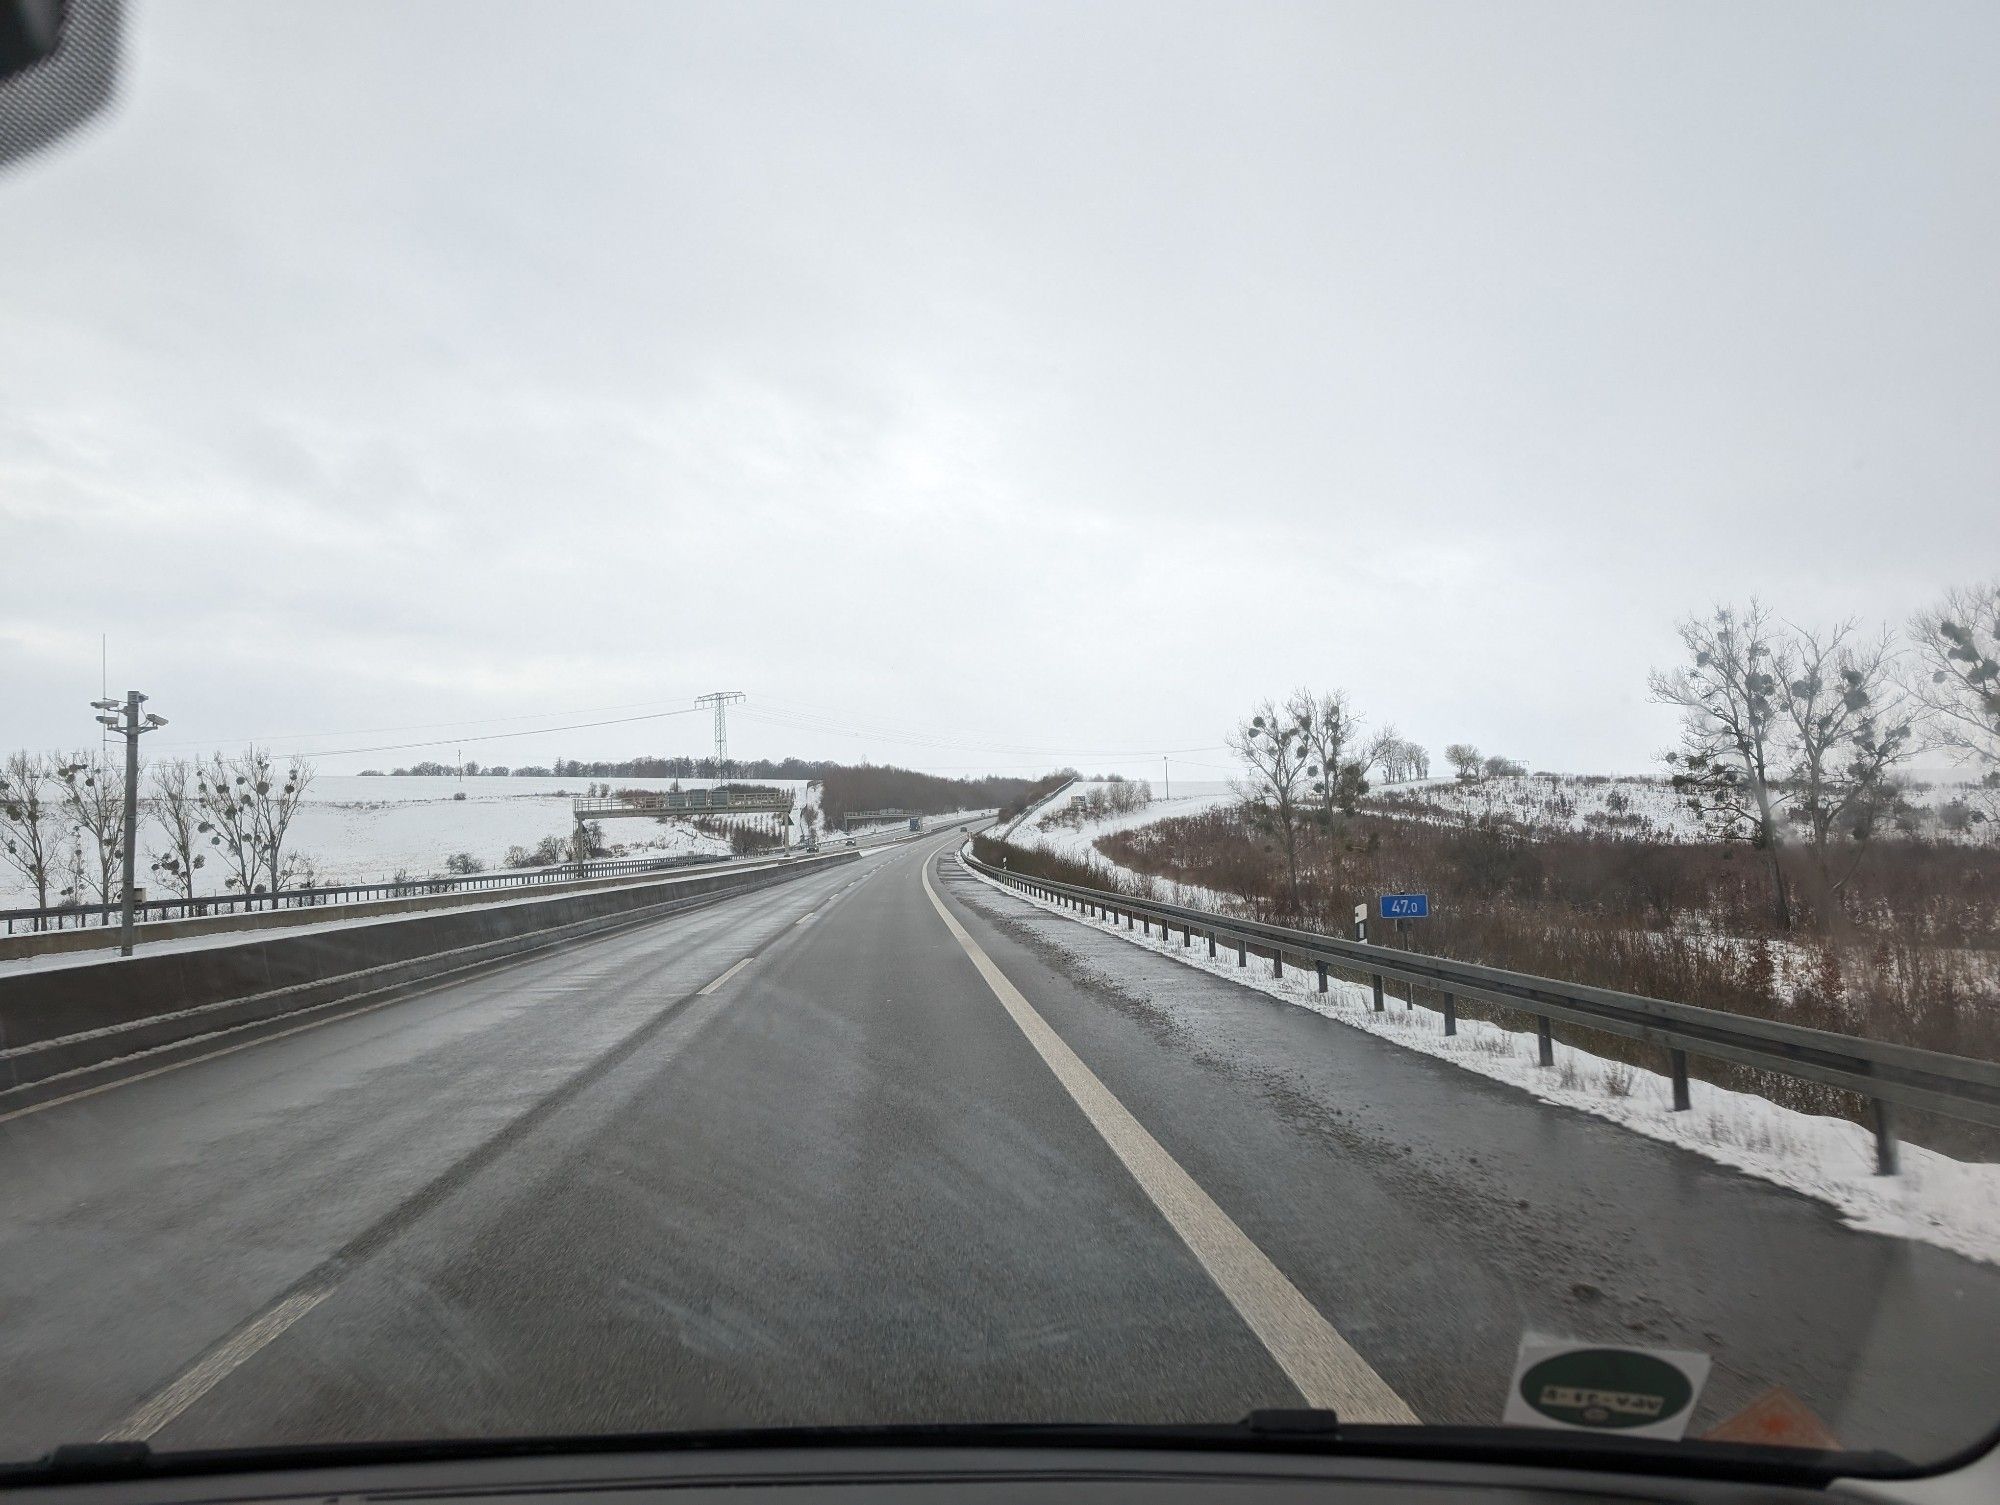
727 975
1326 1369
211 1371
805 919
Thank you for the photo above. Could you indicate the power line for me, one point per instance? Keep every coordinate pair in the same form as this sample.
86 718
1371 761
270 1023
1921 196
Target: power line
535 731
807 721
420 726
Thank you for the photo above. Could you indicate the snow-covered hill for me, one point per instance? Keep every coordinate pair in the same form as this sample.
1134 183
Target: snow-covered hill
1635 806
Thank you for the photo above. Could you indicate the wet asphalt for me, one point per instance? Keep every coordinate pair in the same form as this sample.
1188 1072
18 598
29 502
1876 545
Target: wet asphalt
583 1194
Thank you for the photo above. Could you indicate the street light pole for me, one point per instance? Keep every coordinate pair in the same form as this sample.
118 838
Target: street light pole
132 727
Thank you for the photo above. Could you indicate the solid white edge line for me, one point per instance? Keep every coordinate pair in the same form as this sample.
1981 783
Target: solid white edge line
1322 1364
212 1370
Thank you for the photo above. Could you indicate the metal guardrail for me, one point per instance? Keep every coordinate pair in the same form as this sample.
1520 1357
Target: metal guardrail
82 916
1889 1076
1046 800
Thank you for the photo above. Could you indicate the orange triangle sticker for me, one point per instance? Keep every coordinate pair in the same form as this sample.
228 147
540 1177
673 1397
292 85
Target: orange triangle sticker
1777 1419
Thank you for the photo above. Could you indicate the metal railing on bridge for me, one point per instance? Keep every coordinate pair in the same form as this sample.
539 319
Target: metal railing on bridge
1888 1076
728 801
878 817
80 916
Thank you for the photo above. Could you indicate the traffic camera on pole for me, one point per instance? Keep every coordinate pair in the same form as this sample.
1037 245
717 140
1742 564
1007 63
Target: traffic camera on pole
123 717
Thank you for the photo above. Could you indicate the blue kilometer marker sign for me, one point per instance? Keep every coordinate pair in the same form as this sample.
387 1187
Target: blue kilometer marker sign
1406 906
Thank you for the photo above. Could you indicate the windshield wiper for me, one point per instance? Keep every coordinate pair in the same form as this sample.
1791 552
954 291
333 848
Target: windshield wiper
1296 1432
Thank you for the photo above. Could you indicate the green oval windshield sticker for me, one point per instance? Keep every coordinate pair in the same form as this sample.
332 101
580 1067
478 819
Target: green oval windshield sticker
1607 1388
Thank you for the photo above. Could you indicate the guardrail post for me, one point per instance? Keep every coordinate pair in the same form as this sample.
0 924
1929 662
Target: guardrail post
1321 967
1376 979
1242 952
1678 1060
1887 1157
1450 1014
1128 919
1545 1044
1277 962
1211 945
1146 926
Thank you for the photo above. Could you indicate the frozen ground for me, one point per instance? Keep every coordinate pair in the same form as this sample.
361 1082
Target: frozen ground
1942 1201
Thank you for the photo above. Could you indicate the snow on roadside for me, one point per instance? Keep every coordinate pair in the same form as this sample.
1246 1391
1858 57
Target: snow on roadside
1077 841
1936 1199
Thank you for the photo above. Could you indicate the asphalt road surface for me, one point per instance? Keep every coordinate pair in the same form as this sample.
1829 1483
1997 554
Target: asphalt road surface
886 1144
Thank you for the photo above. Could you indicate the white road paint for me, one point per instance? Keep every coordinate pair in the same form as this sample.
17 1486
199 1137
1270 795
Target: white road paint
727 975
214 1367
1324 1366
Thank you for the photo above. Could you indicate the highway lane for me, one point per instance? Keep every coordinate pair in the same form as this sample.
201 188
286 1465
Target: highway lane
843 1185
144 1223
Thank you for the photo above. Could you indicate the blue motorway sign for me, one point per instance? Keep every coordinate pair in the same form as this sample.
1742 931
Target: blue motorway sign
1406 906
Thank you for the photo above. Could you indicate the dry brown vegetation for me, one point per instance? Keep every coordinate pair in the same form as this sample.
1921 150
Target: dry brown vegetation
1910 952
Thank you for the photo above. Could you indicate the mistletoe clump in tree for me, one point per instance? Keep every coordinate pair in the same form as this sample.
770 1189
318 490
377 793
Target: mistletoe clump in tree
247 809
1955 680
1786 726
1276 751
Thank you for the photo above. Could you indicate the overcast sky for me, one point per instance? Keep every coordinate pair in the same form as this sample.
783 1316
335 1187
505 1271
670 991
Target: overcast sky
985 386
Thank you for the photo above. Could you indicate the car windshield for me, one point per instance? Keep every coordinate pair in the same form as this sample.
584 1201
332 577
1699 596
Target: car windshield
756 715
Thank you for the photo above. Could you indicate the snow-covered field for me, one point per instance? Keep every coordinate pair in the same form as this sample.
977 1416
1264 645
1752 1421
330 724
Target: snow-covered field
365 829
1636 806
361 830
1936 1199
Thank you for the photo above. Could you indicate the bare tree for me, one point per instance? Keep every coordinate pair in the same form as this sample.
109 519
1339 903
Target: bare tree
225 800
1954 678
93 796
1847 729
1384 750
1275 751
31 823
176 809
275 801
1727 766
1464 759
1335 778
301 870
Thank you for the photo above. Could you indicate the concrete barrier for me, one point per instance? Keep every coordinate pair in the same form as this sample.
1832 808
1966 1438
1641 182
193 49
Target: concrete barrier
105 937
64 1028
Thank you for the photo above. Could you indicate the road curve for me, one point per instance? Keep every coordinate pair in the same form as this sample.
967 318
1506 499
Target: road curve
799 1158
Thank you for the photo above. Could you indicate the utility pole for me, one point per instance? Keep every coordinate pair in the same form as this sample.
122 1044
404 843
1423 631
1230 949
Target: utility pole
132 727
1167 771
721 700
